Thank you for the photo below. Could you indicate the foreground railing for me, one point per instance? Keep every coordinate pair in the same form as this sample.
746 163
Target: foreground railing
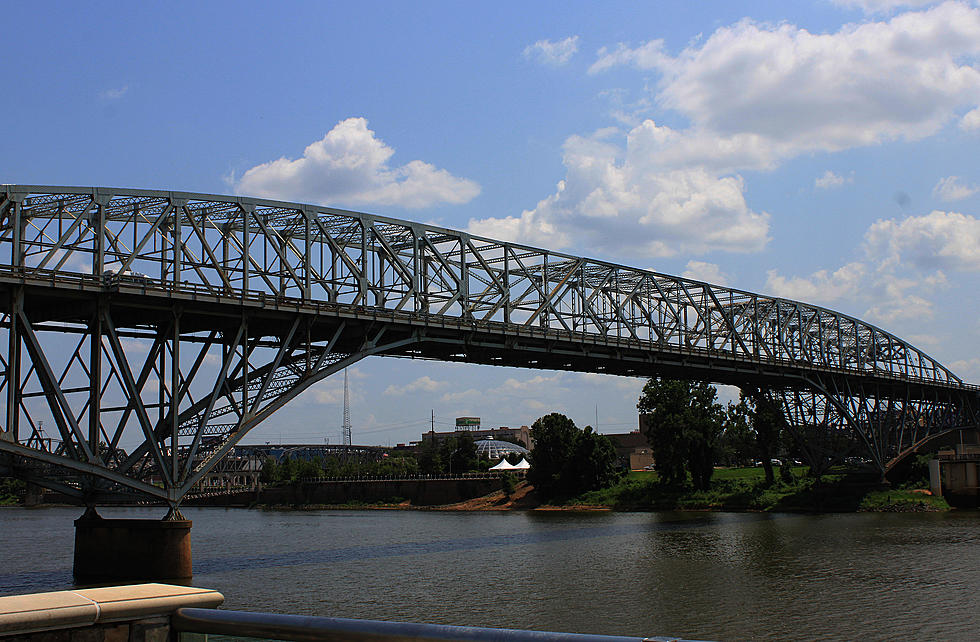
268 626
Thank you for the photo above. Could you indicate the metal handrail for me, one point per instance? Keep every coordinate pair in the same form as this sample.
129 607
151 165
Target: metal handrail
304 628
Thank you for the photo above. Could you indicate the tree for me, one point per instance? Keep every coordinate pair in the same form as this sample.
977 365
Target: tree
737 446
567 461
683 425
767 423
458 453
594 461
430 462
554 439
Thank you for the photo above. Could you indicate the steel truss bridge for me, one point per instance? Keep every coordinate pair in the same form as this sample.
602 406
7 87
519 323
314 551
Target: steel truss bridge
152 330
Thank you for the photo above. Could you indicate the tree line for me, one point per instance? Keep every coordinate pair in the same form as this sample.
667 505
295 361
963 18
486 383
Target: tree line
689 432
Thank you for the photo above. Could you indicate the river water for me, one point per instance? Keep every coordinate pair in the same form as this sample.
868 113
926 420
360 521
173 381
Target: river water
711 576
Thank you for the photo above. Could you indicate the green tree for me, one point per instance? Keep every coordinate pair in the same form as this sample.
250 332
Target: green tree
458 453
683 425
567 461
270 471
554 440
430 461
737 446
767 424
594 462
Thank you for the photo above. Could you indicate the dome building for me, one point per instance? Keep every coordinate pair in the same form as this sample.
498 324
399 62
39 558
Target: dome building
492 449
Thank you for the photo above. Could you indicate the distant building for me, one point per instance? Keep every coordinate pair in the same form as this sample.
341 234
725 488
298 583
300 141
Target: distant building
632 450
472 426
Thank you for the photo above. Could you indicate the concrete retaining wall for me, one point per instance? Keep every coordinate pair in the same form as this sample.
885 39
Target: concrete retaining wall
420 492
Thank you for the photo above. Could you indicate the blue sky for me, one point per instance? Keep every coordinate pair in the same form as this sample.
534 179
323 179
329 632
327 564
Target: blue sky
823 151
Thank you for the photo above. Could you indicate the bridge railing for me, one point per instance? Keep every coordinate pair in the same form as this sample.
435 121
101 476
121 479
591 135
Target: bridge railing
303 628
262 299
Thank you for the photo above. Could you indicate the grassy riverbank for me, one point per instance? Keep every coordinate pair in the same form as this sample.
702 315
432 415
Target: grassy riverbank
745 489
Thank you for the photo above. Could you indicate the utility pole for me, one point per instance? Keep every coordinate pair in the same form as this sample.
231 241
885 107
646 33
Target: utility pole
347 431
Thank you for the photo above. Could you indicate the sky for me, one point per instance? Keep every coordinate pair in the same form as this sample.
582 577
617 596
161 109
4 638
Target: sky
824 151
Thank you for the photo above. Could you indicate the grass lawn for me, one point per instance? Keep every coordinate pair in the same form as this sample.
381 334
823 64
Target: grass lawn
745 489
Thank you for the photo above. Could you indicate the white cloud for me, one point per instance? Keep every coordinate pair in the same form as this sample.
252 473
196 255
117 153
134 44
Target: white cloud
971 121
114 94
830 180
883 6
755 95
938 240
513 390
624 197
422 384
798 91
950 189
650 55
351 166
707 272
330 391
967 369
821 286
884 296
904 265
547 52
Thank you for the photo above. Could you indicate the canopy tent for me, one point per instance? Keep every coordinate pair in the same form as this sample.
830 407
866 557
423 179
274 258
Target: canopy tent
505 465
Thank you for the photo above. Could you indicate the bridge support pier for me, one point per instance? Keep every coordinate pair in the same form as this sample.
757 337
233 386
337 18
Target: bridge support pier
123 550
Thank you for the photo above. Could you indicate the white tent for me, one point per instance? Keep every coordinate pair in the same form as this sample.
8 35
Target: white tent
522 464
506 465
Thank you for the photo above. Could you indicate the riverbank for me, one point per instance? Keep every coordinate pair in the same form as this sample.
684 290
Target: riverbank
736 490
746 490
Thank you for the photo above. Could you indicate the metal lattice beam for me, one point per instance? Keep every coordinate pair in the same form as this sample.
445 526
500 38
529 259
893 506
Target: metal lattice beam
193 317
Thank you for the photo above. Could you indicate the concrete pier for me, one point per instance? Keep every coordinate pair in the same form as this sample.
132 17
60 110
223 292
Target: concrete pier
116 550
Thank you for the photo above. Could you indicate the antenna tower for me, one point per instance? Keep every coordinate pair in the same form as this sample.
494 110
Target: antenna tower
347 435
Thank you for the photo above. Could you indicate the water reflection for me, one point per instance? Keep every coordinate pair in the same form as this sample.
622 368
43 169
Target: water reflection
699 575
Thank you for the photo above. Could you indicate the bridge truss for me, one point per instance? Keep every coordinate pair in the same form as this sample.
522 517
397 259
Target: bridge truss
154 329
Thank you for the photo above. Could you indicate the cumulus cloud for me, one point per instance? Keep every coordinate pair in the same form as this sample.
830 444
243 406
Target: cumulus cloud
884 295
547 52
905 261
350 166
937 241
820 287
951 189
969 369
754 96
707 272
830 180
798 91
971 121
422 384
624 196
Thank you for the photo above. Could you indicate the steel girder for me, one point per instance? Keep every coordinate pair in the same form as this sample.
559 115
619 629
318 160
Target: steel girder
450 295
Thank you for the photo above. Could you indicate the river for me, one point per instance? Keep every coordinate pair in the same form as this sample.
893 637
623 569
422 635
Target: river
712 576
